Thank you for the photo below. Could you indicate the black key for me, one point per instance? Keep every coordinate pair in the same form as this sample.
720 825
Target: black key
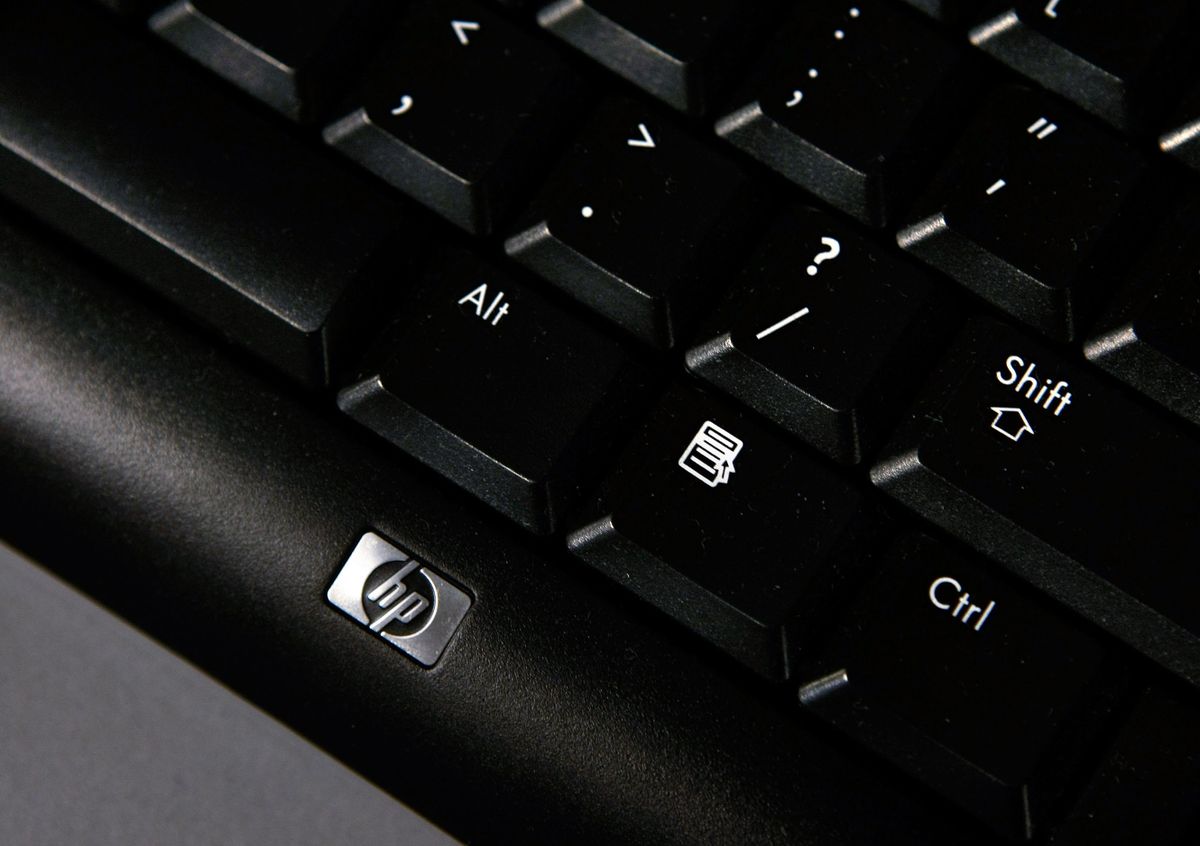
637 222
146 163
679 50
458 109
291 56
1147 790
852 103
497 388
717 521
971 682
1151 340
1028 212
825 352
1037 462
1119 59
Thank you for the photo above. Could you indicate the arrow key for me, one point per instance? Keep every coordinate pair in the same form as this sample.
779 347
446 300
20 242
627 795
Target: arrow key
822 334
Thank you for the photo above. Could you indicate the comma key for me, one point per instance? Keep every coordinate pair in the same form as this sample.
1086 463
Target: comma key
942 665
1098 505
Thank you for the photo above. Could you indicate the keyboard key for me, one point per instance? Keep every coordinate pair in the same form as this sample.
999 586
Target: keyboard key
291 56
1147 790
853 103
1028 212
1119 59
1040 464
680 51
448 74
496 388
145 163
637 222
825 353
1151 339
715 520
965 679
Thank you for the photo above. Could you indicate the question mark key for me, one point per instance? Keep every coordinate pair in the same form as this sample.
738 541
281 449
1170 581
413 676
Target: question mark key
823 334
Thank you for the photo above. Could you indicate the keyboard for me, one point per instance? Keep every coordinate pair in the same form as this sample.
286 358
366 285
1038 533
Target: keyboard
643 422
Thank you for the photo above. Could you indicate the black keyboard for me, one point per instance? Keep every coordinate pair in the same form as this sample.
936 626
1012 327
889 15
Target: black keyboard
628 421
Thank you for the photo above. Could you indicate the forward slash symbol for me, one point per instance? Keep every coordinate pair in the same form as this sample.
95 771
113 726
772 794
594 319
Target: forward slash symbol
791 318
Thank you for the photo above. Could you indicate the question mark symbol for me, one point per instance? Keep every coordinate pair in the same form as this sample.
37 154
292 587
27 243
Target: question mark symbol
834 250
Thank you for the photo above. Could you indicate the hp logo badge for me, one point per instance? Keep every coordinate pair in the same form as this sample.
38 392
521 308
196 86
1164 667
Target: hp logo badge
401 599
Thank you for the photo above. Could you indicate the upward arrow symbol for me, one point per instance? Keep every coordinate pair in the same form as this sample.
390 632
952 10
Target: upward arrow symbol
461 28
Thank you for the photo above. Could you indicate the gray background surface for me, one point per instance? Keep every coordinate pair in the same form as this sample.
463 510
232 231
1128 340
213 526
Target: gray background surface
107 738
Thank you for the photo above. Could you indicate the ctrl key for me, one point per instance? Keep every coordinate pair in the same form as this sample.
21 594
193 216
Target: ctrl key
966 679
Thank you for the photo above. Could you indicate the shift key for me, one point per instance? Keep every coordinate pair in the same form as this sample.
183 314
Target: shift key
1040 463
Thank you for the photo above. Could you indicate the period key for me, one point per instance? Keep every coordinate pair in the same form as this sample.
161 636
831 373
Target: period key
1038 461
968 679
639 221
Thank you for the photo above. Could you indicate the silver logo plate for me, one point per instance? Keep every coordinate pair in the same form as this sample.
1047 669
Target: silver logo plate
400 598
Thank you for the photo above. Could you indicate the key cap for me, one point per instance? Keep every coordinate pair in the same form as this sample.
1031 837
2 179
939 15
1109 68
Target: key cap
680 51
1030 210
853 103
715 520
1119 59
496 388
291 56
637 222
1040 464
1151 339
822 334
964 678
145 162
1147 790
459 108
